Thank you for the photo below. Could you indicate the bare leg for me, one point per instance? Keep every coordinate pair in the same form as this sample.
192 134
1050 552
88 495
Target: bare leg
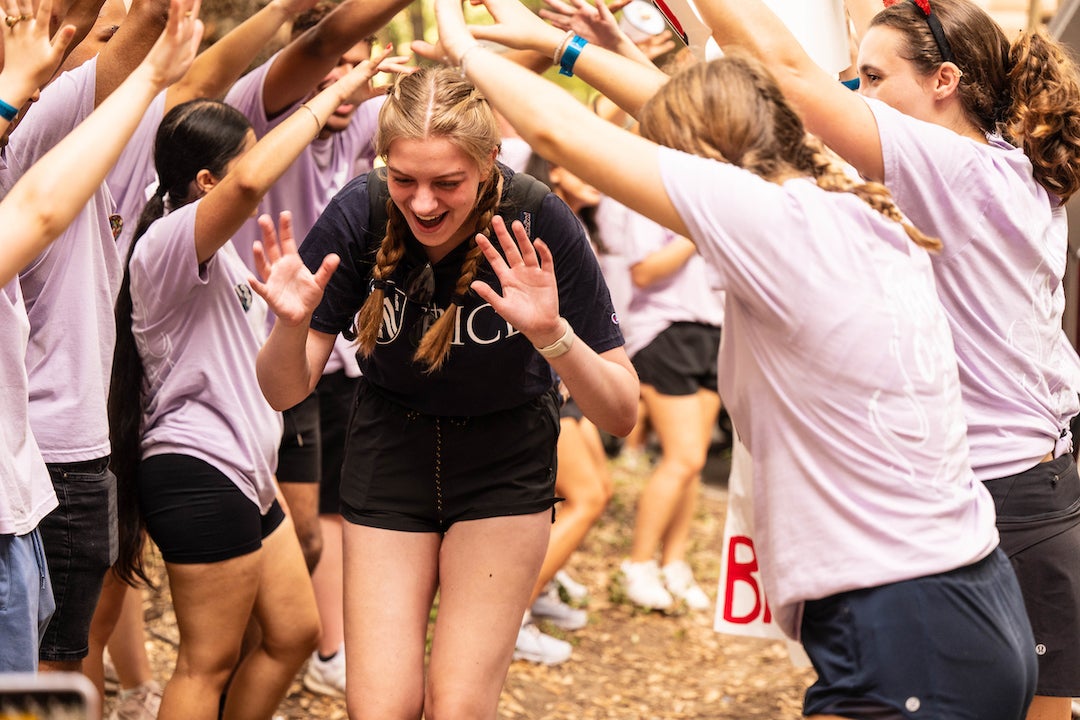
487 569
390 580
329 586
106 614
1044 707
127 645
302 504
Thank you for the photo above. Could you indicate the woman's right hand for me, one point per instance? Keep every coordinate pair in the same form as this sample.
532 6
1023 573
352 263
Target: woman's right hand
596 23
289 288
30 58
517 27
178 44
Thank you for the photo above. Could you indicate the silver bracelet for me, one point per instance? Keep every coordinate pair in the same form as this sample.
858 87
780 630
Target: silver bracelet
556 58
461 60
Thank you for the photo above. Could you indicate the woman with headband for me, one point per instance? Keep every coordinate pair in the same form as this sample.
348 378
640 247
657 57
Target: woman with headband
876 543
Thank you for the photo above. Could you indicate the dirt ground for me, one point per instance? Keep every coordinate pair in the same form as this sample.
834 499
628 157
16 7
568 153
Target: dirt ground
627 664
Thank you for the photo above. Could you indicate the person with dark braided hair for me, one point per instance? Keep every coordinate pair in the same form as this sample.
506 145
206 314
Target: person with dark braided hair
448 478
876 544
978 138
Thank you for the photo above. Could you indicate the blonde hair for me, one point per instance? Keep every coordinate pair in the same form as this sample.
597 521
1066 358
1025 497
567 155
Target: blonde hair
742 118
433 102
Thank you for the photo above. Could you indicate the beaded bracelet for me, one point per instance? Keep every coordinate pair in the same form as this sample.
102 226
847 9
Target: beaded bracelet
556 58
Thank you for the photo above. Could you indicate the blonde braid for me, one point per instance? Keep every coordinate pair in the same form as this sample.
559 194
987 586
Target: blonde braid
391 250
829 176
434 346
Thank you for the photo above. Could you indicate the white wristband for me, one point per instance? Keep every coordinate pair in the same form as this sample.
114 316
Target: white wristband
561 346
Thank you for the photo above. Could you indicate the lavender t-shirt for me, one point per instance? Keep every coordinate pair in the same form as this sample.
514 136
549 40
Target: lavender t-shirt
838 370
317 174
198 330
687 295
999 279
69 290
133 179
26 491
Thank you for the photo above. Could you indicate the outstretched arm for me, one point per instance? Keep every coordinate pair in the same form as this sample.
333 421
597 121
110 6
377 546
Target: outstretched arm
231 201
220 65
605 385
50 194
123 53
557 126
839 117
628 83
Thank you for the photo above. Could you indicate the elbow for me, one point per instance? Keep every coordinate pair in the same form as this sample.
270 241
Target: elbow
624 419
640 278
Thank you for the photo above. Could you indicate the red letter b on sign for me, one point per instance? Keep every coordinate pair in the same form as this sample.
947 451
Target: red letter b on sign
741 586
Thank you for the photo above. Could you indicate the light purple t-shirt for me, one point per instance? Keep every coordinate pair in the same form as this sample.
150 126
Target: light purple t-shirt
1000 281
69 290
199 329
838 370
690 294
317 174
133 178
26 491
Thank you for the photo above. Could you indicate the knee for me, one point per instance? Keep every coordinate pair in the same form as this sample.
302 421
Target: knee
294 637
683 467
311 545
454 706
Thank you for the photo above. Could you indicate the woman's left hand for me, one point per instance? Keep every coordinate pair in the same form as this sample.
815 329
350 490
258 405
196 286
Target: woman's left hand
530 296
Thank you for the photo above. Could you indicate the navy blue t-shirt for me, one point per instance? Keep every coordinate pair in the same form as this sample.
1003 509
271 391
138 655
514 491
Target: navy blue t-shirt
491 366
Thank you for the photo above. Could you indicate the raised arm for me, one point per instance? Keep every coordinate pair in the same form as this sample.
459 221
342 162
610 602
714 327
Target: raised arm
596 23
839 117
127 48
557 126
220 65
304 62
232 200
47 198
628 83
27 55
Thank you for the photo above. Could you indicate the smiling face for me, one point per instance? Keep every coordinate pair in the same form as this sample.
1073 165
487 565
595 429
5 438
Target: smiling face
435 185
886 75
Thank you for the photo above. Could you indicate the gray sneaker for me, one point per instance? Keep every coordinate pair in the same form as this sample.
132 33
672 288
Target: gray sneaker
138 703
535 646
549 606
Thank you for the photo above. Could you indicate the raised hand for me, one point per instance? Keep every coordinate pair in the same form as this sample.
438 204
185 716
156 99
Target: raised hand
178 44
30 57
596 23
530 296
289 288
354 86
389 64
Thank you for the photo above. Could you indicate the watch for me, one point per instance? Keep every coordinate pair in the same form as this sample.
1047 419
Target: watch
560 346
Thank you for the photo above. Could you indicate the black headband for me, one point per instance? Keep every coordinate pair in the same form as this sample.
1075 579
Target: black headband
935 27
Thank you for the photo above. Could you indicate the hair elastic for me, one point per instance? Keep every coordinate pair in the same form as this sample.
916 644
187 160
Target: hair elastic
570 55
8 112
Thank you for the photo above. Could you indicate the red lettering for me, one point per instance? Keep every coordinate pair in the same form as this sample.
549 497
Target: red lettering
743 572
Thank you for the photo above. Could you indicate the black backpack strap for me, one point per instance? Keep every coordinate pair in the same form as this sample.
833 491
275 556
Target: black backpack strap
378 194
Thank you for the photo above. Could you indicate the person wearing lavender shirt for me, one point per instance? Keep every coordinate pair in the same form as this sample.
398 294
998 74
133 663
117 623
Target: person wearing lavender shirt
203 441
26 489
877 545
673 319
69 291
976 137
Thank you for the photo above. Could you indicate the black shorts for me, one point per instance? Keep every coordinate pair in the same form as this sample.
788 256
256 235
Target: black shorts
952 645
1038 518
300 453
195 514
681 360
336 392
408 471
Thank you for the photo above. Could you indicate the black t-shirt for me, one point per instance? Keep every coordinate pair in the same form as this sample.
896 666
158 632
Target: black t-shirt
491 366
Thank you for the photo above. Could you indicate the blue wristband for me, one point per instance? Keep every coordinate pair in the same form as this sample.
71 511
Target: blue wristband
570 55
852 84
7 111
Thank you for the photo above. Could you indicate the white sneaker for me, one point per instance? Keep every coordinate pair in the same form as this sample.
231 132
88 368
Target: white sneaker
574 590
549 606
679 580
1076 708
326 677
535 646
643 585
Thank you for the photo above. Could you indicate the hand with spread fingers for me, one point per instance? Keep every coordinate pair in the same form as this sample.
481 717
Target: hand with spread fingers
530 296
289 288
596 23
30 55
178 44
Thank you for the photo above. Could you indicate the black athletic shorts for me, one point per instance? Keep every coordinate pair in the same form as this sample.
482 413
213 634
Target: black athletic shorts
195 514
300 452
1038 518
336 392
405 470
680 360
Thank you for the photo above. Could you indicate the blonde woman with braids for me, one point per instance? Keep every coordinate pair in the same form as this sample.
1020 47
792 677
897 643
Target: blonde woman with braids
449 471
876 543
